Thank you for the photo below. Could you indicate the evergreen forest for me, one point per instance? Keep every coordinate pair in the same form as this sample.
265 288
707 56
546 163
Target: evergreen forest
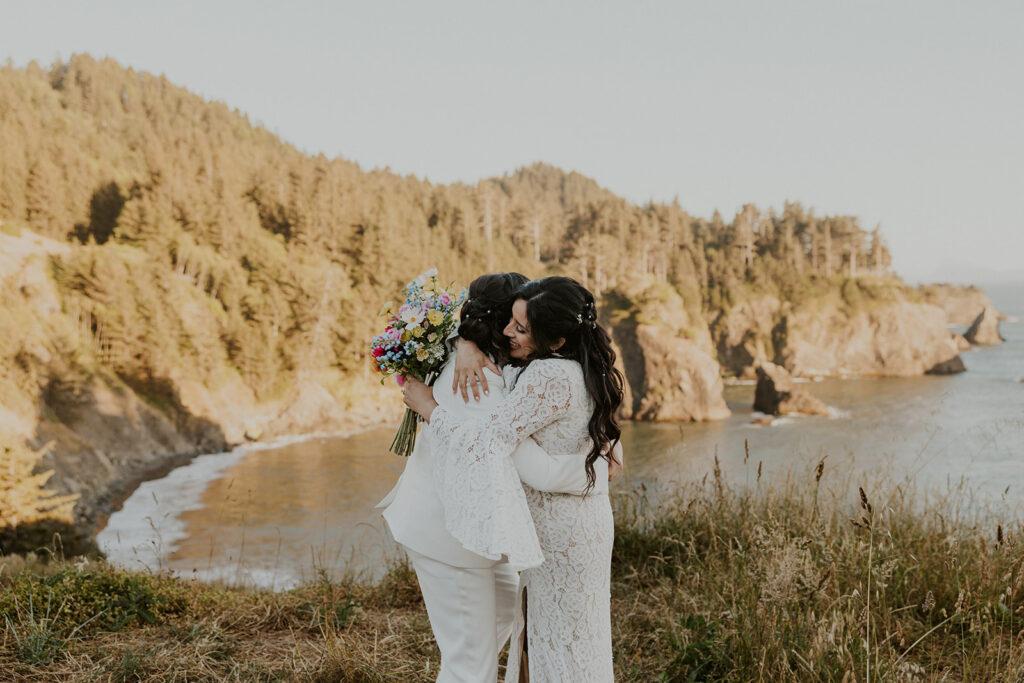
188 244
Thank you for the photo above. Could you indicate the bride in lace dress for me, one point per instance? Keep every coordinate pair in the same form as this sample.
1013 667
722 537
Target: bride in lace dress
565 397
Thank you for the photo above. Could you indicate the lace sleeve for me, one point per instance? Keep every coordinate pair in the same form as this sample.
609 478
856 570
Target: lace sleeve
484 504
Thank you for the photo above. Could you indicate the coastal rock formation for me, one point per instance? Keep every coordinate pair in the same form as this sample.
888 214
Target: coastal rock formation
869 328
105 429
670 378
984 331
961 342
949 367
900 339
665 352
743 334
777 395
961 304
108 435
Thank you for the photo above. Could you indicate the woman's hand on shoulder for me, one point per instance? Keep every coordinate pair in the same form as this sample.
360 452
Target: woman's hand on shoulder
470 362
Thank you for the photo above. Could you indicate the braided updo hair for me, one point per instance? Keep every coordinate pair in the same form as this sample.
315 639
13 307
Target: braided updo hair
487 311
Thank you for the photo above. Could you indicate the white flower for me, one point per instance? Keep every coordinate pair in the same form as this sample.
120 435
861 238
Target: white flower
421 279
412 317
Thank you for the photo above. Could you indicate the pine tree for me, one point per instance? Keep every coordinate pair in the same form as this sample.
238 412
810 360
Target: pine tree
23 496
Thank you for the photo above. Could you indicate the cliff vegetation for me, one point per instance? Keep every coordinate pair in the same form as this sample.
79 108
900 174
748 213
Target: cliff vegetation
174 278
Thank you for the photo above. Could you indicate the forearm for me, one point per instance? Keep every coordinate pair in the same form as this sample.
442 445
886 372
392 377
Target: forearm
560 473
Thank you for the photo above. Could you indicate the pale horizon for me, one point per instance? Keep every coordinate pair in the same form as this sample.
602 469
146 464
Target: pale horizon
905 116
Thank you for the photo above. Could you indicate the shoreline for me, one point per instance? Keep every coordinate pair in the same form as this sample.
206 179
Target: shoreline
95 520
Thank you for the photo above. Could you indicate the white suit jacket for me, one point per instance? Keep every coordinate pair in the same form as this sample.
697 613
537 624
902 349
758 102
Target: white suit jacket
413 509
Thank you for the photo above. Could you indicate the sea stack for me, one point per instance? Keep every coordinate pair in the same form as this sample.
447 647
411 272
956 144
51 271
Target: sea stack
985 329
776 395
948 367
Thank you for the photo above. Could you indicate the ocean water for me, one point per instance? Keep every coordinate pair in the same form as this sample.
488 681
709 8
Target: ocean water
278 515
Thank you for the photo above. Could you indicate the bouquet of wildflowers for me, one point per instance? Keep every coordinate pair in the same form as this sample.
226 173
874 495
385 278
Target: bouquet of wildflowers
414 342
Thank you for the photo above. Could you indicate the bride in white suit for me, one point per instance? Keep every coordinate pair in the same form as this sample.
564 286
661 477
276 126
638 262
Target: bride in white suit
469 595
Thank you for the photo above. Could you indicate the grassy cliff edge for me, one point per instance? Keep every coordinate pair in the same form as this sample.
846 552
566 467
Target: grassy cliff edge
791 582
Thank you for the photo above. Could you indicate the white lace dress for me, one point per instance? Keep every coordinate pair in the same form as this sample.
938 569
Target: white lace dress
568 623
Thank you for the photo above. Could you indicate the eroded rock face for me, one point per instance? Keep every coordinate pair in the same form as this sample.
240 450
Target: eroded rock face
670 378
777 395
743 334
961 304
107 436
899 339
984 331
961 342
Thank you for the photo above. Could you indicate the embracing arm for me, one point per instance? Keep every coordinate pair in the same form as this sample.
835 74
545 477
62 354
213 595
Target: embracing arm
555 473
485 507
542 394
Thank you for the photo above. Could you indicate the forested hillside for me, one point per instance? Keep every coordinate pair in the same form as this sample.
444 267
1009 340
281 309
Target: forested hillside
203 265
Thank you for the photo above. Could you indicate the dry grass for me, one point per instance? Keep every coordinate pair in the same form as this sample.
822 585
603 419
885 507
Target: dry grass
792 582
171 629
801 583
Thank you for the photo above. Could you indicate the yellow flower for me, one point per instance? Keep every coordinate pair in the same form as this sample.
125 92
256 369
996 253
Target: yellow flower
435 317
405 336
422 353
416 332
387 308
432 337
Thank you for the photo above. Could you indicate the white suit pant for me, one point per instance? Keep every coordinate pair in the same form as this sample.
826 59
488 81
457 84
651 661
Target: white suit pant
470 612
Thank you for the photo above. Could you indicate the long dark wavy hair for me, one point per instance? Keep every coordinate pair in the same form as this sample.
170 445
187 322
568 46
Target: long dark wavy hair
560 308
487 311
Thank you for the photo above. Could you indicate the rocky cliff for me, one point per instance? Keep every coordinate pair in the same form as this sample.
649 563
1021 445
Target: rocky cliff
962 304
984 331
860 329
101 433
103 438
896 339
666 352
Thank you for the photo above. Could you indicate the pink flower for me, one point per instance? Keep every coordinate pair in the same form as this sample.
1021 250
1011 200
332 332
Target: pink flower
400 380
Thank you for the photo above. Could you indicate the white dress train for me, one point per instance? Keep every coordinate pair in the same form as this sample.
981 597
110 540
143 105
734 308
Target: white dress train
567 620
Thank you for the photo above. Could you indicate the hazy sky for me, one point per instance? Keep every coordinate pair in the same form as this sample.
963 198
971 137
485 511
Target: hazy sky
907 114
